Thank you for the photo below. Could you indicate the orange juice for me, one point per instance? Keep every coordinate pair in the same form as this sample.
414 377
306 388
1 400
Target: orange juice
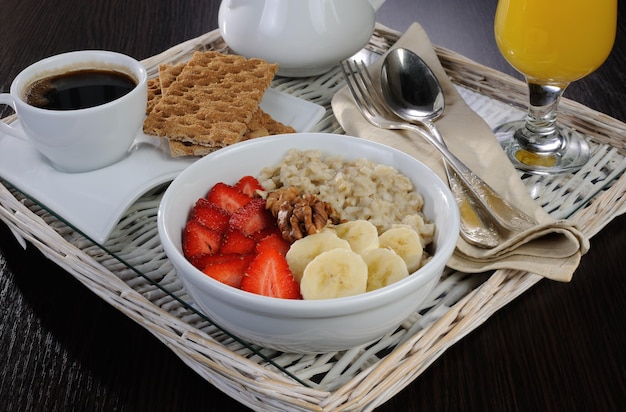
556 40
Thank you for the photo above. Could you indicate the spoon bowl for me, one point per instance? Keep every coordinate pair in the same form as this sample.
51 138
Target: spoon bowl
410 87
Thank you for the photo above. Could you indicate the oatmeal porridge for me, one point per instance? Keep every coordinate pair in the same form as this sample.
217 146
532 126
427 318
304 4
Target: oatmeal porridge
357 189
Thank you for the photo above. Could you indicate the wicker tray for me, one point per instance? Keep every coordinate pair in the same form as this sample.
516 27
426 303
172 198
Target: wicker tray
131 272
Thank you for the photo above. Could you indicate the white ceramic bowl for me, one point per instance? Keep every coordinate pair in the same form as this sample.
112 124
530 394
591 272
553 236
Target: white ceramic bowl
299 325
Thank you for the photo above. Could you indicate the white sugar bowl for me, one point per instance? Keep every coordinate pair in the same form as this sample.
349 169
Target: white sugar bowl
305 37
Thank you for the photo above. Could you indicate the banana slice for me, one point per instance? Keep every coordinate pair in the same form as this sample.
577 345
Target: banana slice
304 250
361 234
334 274
405 242
384 267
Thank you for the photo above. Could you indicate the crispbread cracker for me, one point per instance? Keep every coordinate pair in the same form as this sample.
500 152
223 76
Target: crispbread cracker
262 124
211 101
158 85
261 121
178 148
154 93
168 74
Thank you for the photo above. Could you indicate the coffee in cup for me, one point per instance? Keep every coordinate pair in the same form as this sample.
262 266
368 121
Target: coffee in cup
79 89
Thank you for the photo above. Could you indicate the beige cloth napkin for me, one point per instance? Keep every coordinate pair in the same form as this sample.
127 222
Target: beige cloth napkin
552 249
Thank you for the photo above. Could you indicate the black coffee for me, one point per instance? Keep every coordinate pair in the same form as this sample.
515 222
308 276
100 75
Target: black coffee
78 89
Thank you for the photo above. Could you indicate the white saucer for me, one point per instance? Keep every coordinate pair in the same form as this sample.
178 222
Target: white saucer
93 202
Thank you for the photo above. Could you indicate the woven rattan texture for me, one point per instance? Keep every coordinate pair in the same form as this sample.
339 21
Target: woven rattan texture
132 273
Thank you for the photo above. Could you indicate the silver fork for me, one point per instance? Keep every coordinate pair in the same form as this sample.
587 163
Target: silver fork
482 202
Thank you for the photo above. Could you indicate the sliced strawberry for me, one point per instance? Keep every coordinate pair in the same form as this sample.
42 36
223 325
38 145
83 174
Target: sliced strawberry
202 261
229 269
210 215
235 241
252 217
199 239
269 275
273 241
258 236
227 197
249 185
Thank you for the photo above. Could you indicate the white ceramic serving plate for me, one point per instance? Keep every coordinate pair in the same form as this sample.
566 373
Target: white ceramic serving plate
93 202
297 325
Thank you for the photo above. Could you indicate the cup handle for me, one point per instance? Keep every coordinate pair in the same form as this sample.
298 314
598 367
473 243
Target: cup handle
5 98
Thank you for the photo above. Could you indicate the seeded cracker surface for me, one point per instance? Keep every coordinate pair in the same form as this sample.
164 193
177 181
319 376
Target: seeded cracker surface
154 93
211 101
168 74
158 86
261 123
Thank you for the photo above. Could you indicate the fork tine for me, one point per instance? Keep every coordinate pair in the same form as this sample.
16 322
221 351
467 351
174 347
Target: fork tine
372 92
359 91
365 93
356 89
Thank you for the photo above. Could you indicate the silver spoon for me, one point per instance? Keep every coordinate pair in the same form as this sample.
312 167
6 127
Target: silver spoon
414 94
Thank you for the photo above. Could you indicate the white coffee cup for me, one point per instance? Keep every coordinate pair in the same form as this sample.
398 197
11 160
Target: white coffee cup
79 140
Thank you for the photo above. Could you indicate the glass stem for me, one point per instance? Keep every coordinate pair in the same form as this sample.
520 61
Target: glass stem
540 133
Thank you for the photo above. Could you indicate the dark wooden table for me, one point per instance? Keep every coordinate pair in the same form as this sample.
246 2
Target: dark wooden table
559 347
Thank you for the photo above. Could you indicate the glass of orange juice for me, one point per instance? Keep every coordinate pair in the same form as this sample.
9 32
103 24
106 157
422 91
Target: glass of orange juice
552 43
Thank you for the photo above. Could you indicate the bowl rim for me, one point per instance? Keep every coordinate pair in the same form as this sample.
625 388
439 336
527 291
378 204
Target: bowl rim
303 308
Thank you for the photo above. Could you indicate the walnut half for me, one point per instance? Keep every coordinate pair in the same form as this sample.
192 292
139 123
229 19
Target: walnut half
299 215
